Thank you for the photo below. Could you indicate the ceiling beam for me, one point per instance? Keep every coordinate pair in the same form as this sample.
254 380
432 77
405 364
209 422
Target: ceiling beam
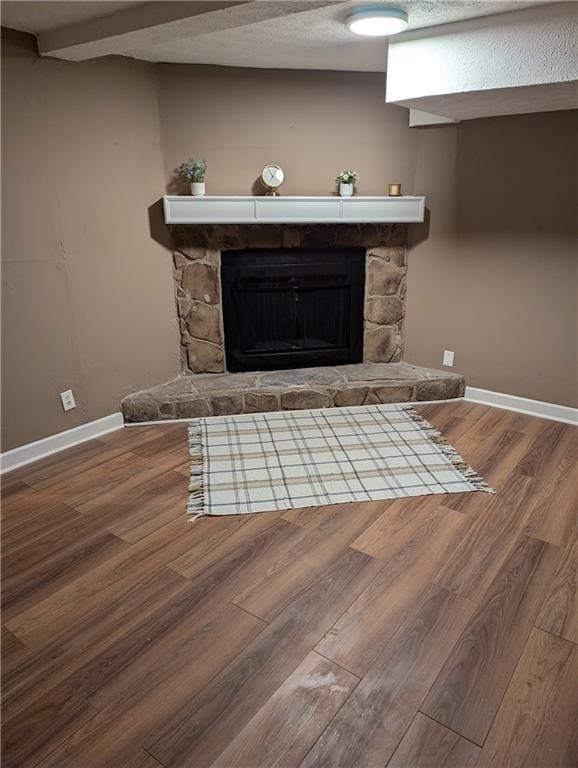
127 31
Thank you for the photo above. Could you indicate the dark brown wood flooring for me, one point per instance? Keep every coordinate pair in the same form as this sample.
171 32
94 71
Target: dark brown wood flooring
432 632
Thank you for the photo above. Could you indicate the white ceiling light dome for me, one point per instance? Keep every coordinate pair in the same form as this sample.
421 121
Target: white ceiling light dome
376 20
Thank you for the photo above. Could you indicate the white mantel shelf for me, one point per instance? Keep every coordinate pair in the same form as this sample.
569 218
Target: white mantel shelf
183 209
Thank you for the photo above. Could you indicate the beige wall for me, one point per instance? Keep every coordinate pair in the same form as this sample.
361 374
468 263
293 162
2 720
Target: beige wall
87 295
496 279
312 123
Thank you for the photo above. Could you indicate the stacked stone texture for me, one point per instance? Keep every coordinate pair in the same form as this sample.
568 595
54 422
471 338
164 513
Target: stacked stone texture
197 261
188 397
379 379
385 280
198 281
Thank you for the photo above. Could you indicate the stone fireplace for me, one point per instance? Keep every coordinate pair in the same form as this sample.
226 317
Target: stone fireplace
197 271
206 388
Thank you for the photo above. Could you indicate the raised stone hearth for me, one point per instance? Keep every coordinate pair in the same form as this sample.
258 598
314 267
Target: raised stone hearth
205 389
327 387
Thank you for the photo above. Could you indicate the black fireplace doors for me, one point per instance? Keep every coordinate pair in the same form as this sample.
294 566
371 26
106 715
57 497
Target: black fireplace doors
292 307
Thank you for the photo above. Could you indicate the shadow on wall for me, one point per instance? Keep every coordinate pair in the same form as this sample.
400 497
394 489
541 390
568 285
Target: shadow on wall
417 233
158 230
257 188
178 184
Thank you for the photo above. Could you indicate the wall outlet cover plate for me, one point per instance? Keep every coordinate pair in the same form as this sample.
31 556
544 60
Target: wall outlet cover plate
68 402
448 358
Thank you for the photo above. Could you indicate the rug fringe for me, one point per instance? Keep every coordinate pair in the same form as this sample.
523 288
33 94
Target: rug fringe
196 502
472 477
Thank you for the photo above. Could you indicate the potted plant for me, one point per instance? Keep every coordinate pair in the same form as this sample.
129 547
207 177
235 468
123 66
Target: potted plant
194 171
346 181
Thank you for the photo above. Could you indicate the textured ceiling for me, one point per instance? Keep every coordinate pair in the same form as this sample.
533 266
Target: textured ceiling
314 39
39 16
309 39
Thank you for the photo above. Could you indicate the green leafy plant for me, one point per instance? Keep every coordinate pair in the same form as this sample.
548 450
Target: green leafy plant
347 177
194 170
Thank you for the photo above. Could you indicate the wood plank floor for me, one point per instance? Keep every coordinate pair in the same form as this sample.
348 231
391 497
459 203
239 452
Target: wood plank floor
433 632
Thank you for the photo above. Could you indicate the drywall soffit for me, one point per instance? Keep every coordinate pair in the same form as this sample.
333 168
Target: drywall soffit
511 63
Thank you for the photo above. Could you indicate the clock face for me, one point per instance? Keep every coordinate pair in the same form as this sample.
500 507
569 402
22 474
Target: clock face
272 176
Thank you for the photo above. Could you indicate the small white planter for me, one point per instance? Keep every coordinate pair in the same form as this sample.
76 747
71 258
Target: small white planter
198 188
345 190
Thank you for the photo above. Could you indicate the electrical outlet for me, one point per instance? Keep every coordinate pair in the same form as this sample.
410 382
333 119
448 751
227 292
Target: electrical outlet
448 358
67 400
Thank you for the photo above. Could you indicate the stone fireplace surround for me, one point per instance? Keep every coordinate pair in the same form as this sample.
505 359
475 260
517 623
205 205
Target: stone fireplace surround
197 261
205 389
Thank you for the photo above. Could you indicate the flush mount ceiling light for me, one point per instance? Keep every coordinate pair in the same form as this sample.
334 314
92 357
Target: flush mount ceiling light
376 20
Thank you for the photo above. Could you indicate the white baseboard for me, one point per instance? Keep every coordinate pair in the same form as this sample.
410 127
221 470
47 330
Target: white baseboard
26 454
538 408
18 457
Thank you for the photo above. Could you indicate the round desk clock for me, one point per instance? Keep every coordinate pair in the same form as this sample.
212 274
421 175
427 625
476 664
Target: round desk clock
272 177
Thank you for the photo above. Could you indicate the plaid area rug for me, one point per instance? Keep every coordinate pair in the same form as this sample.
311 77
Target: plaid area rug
283 460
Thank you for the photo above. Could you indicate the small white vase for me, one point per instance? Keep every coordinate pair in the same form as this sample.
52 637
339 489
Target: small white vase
198 188
345 190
